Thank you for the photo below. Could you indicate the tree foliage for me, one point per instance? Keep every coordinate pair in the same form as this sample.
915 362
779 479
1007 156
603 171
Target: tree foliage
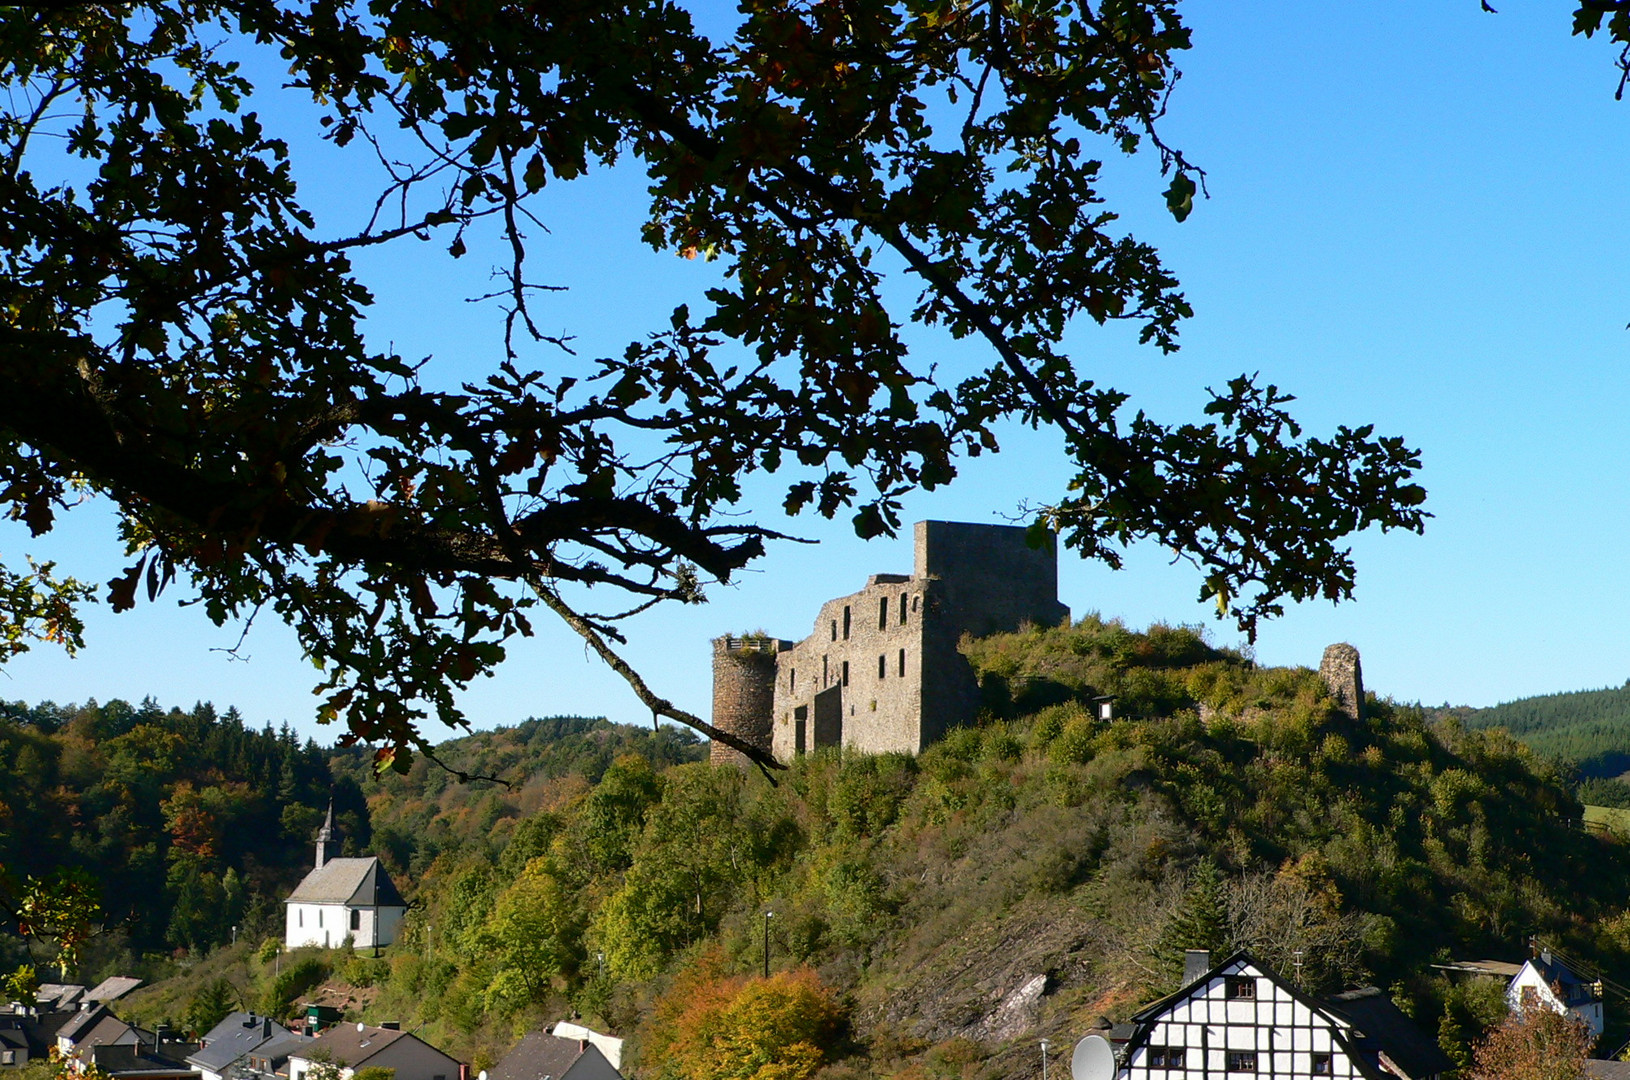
185 338
1534 1043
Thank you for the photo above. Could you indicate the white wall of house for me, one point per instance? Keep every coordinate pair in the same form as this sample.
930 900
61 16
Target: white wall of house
1530 985
315 924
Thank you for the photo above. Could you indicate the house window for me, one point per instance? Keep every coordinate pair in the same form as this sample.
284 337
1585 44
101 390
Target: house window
356 919
319 917
1241 988
300 917
8 1057
1165 1057
883 613
1321 1064
1242 1061
882 668
846 622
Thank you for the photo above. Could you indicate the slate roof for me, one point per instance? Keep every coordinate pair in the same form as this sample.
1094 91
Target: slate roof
277 1050
1598 1069
536 1057
1574 989
59 995
234 1037
353 1048
105 1030
357 882
1381 1027
82 1022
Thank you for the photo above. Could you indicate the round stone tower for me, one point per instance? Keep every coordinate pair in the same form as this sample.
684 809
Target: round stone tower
1341 673
743 693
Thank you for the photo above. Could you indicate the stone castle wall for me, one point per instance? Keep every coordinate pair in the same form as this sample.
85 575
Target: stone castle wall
743 692
881 671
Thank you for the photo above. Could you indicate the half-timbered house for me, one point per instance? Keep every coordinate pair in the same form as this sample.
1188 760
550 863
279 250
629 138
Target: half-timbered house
1240 1020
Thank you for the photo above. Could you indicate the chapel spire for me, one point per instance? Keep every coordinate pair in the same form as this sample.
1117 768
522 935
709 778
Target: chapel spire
328 837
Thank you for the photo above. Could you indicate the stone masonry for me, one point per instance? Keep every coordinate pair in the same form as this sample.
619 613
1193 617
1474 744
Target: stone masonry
1340 671
881 671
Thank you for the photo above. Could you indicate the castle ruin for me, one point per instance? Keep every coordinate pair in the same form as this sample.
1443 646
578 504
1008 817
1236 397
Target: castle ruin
881 671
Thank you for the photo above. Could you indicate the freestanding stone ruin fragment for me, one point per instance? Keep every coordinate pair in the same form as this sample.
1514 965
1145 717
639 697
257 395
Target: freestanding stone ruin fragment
1341 674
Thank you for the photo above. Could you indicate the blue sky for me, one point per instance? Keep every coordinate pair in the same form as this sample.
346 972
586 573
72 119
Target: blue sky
1414 223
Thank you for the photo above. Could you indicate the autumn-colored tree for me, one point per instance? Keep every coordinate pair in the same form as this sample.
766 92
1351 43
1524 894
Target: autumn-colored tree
1533 1043
711 1026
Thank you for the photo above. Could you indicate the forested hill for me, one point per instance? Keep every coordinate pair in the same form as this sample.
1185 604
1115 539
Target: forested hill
192 824
1590 728
913 896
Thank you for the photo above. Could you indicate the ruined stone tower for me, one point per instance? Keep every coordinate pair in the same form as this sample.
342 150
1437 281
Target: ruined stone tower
743 692
882 671
1340 671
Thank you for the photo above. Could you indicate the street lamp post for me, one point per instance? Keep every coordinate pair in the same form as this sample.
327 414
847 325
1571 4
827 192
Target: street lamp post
768 915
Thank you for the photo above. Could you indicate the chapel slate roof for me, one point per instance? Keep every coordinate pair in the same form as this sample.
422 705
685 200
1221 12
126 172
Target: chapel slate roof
357 882
233 1038
1381 1027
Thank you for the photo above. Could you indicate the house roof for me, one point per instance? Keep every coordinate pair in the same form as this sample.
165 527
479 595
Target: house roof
60 995
353 1044
357 882
1386 1030
1503 969
232 1038
278 1048
1381 1027
1599 1069
538 1056
105 1030
81 1022
1574 989
14 1038
112 988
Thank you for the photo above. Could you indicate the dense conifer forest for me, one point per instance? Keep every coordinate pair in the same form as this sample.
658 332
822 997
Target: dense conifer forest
1590 728
611 871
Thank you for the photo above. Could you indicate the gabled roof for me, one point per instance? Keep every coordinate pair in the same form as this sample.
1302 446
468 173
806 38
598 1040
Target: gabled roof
234 1037
81 1022
1575 989
1381 1027
1385 1030
59 995
537 1056
102 1029
278 1048
352 1047
356 882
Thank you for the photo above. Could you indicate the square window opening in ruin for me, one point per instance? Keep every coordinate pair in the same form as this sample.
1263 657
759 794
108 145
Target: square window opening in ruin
882 613
882 668
914 600
902 609
846 673
834 629
846 622
902 663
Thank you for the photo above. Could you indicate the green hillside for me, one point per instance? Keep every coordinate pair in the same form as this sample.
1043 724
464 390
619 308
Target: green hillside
1590 728
911 896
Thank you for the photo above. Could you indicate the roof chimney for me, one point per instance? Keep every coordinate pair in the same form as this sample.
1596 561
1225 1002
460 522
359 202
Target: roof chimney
1196 962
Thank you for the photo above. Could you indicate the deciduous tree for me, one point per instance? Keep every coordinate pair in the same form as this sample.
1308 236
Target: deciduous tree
184 338
1534 1043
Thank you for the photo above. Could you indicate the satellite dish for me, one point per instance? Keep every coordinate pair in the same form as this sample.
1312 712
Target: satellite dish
1094 1059
483 1075
361 1026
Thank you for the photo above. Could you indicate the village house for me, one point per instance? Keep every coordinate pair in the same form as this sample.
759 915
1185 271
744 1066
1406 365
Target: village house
232 1041
357 1046
570 1052
342 898
1545 980
1240 1019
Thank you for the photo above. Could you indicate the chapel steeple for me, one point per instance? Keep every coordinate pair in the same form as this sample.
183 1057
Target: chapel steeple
328 835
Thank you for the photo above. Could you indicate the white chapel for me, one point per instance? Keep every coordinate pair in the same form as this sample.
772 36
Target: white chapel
342 898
